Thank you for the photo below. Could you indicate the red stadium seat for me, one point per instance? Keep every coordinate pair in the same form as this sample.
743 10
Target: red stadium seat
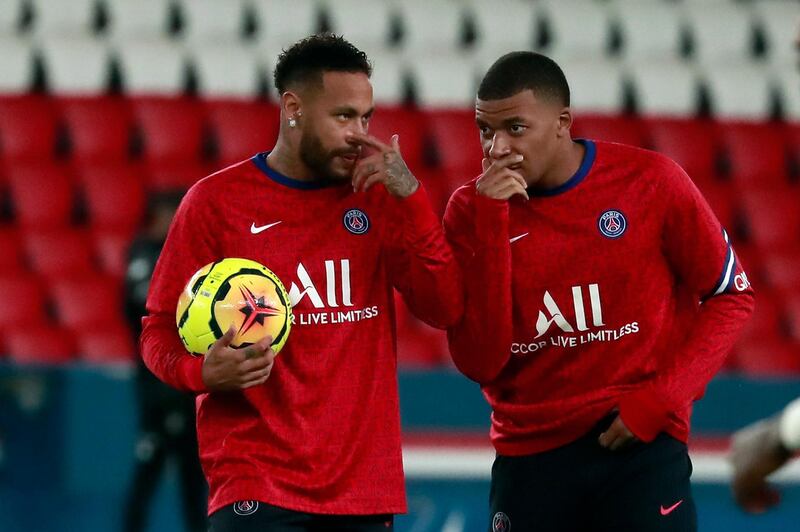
611 128
412 128
87 302
418 345
28 128
111 249
59 253
114 196
12 255
109 345
243 128
173 129
438 185
782 270
772 218
792 314
40 344
768 357
756 153
177 176
723 201
100 128
689 142
457 140
41 194
765 322
23 301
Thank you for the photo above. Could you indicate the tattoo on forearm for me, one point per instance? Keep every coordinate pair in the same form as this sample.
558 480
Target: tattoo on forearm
401 181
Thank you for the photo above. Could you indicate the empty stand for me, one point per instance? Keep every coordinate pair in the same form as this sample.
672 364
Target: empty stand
431 27
11 12
501 29
412 128
173 129
577 28
212 21
772 217
650 30
109 345
243 127
457 141
42 194
444 81
665 87
76 64
347 18
51 18
99 128
28 126
59 254
12 259
152 66
611 128
38 344
767 357
756 153
87 302
721 31
142 19
226 69
596 85
692 143
111 250
114 196
16 63
23 301
282 22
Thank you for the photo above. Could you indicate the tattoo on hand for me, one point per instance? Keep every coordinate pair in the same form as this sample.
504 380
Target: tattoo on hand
401 182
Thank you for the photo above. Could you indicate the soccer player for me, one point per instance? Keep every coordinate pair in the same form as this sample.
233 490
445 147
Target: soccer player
308 440
601 297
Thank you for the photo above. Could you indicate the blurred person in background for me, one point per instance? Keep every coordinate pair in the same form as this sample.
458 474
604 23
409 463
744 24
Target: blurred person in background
166 416
602 295
309 440
762 448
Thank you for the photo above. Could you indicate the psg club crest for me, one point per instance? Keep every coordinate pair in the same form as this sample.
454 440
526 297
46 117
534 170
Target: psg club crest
356 221
501 523
612 223
245 507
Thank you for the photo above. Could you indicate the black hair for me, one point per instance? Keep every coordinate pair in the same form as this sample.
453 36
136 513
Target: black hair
306 60
519 71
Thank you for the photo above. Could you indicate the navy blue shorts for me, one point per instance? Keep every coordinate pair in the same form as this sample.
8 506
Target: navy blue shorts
583 486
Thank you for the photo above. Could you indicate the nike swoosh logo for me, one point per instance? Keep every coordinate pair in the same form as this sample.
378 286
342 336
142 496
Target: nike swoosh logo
512 240
255 230
667 511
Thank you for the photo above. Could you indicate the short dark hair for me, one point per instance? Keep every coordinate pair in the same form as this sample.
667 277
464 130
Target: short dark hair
306 60
519 71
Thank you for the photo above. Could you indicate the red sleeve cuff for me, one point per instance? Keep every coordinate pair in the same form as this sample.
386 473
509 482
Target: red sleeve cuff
191 371
644 414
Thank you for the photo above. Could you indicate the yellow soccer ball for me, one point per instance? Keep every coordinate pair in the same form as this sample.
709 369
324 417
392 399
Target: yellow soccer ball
238 292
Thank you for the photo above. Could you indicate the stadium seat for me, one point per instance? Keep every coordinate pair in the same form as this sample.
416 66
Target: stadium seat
792 135
114 196
12 257
721 31
431 27
722 198
767 357
765 322
212 21
50 17
691 143
665 87
612 128
739 91
169 177
412 127
577 28
772 218
142 19
787 80
389 78
55 254
650 30
42 194
173 129
444 80
87 302
40 344
781 269
226 69
27 128
99 128
152 67
11 12
500 30
76 64
457 140
282 22
23 301
17 60
779 23
242 127
756 153
111 250
109 345
347 18
596 85
792 313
